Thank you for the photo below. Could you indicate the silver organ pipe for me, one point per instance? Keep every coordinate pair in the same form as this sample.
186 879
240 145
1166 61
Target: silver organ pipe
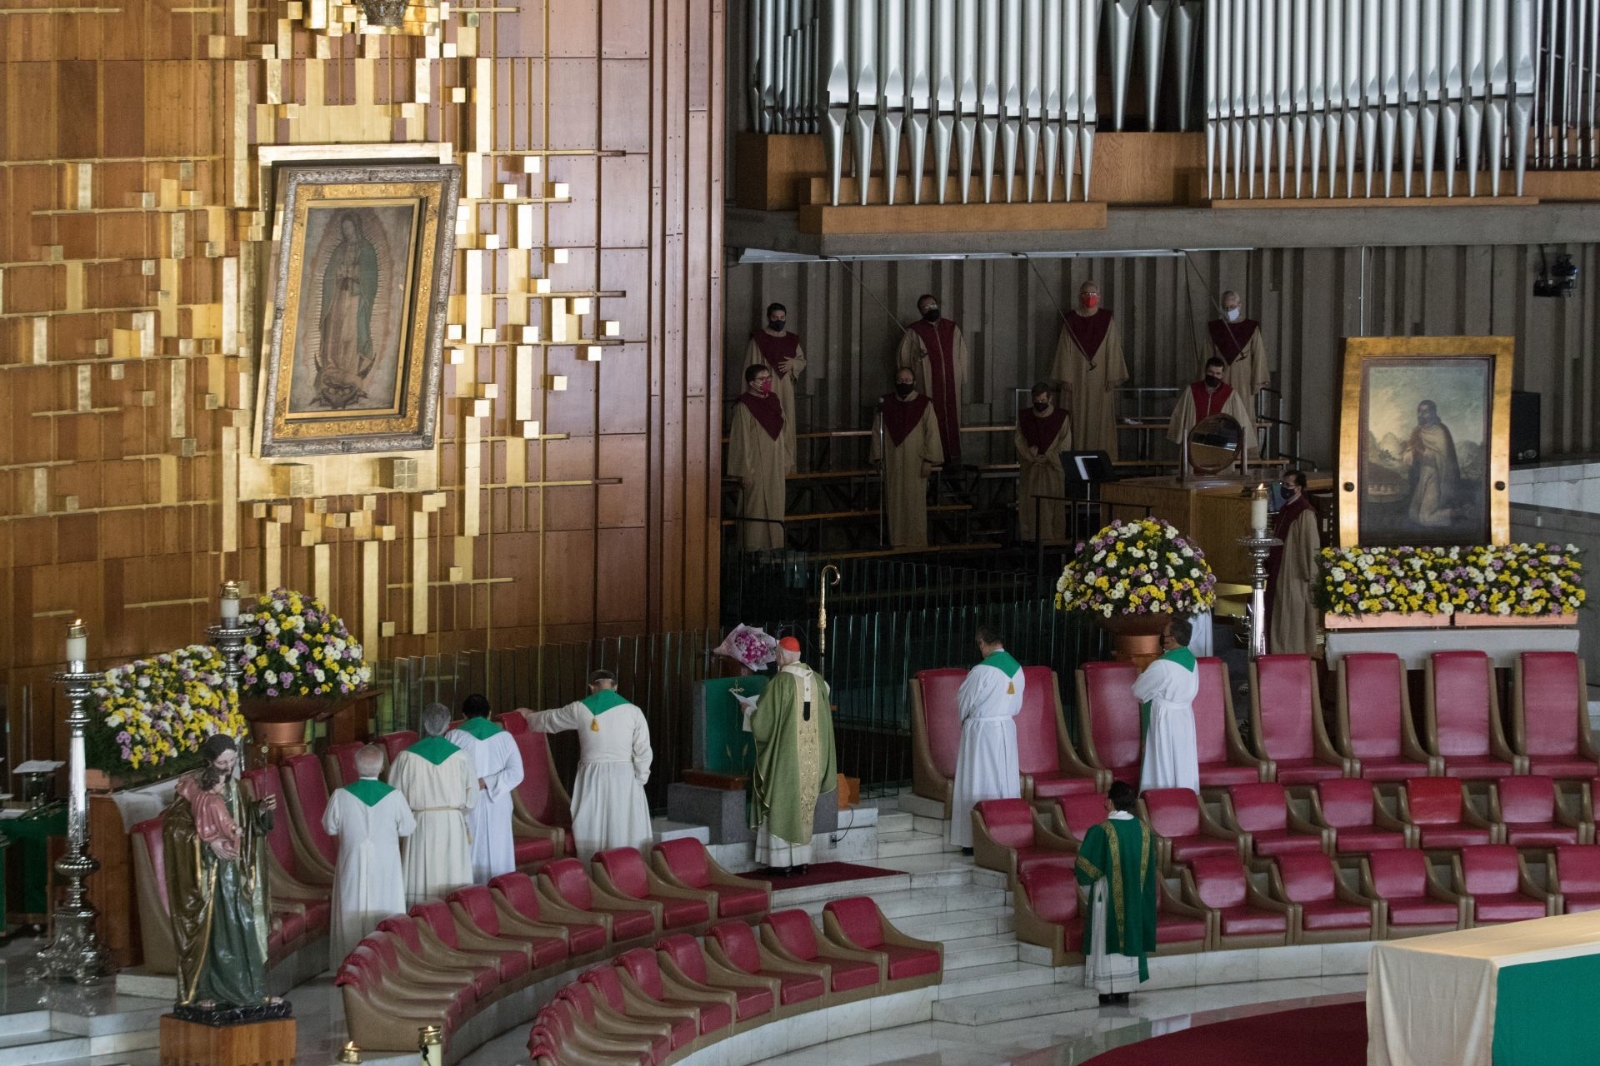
1316 87
1123 16
1071 90
1033 31
1410 89
968 23
919 88
1010 91
989 91
1450 75
1432 91
1351 100
891 88
1371 86
864 89
1153 22
1475 86
1213 112
1258 15
1389 83
1186 35
1089 42
1283 84
1497 79
943 111
1050 88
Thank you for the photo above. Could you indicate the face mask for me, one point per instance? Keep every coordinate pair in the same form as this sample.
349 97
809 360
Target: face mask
1042 407
765 387
931 314
1090 300
775 324
1213 383
1232 314
903 390
1275 498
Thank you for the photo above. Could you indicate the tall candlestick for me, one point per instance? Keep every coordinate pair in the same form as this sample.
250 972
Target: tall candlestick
1258 509
230 601
77 642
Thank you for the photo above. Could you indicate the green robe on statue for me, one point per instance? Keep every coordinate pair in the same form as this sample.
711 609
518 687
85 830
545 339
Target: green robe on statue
794 754
1122 851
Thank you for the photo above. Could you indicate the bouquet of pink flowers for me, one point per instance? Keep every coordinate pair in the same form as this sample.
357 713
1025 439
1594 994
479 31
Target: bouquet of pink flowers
750 647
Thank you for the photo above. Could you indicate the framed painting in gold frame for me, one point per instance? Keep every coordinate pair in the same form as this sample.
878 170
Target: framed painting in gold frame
360 291
1425 441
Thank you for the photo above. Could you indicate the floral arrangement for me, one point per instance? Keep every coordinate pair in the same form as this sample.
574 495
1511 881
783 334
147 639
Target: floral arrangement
153 713
1141 567
1512 579
749 647
303 649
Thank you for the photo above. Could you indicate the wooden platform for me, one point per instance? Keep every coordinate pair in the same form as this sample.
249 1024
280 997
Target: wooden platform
952 218
268 1043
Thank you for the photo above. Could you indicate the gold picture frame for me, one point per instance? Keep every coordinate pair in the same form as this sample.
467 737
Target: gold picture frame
361 288
1425 441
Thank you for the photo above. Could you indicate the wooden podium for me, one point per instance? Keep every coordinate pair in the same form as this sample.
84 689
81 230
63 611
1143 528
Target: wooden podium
265 1043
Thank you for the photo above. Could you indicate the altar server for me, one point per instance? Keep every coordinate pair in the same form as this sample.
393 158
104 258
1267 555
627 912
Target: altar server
759 456
369 818
986 760
935 350
905 444
780 351
1236 340
1089 363
1117 863
1043 432
608 805
1291 569
498 764
1166 691
438 781
792 723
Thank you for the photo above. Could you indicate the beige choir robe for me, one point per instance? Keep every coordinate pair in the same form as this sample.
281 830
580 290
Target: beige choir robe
1239 344
783 354
609 809
1089 363
937 354
1291 569
369 818
1196 404
497 761
1040 440
759 455
440 784
905 435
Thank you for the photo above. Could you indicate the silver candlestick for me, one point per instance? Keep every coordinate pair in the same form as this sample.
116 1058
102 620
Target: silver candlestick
75 953
230 636
1259 543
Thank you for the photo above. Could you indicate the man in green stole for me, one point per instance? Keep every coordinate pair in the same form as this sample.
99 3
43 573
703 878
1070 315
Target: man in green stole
1167 689
498 764
793 729
441 787
1117 863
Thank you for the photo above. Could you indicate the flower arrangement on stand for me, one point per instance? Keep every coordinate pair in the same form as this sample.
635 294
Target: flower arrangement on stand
1511 581
151 715
1133 576
750 647
303 650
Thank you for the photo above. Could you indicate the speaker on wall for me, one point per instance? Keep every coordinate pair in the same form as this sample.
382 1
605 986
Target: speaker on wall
1524 427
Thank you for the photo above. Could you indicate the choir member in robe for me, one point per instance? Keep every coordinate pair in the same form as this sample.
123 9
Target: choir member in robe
441 786
1211 395
792 724
498 764
1117 864
905 444
935 350
1043 432
369 818
1089 363
759 456
1236 340
986 758
1292 617
779 351
1166 692
608 805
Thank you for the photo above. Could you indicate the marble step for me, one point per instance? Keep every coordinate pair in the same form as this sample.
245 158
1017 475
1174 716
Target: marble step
900 845
925 808
958 925
783 898
895 821
1012 1004
901 906
966 951
995 977
937 826
33 1047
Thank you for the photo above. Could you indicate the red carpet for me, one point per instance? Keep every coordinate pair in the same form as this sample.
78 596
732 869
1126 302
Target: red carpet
1312 1036
825 873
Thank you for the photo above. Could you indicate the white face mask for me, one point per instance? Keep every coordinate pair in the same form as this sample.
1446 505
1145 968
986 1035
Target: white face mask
1232 314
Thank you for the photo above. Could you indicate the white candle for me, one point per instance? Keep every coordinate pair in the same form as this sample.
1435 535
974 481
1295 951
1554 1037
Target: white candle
230 602
77 642
1258 509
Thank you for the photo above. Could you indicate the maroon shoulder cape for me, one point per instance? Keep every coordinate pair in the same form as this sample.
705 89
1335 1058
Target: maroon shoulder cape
1041 432
940 341
766 410
1089 331
1207 403
1231 338
776 349
900 417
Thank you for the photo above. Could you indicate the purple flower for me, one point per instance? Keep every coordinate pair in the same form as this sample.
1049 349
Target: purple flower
272 692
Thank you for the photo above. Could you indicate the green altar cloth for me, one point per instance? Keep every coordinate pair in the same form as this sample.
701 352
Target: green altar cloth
31 833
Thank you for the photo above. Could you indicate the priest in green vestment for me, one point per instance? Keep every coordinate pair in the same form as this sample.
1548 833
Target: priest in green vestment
440 785
1117 864
793 729
1167 689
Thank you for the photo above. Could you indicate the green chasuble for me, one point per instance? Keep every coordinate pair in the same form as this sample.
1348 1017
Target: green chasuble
794 757
1123 852
1184 658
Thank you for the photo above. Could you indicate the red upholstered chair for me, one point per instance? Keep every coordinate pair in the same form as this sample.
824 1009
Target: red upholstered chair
1073 815
1529 816
1415 902
641 974
400 973
1575 875
475 912
1590 794
856 924
382 1014
1550 715
1224 760
1260 815
686 863
682 960
683 1026
1349 807
1286 719
1009 835
424 953
600 1019
1184 831
513 960
1496 879
1049 764
306 790
622 873
302 867
1246 917
564 883
540 806
1108 720
1437 806
1329 911
1182 928
735 946
150 889
562 1034
1463 717
512 722
339 763
1375 729
935 733
518 898
393 744
852 975
1048 911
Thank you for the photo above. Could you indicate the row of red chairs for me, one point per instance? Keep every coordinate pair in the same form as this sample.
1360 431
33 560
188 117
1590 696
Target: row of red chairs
651 1007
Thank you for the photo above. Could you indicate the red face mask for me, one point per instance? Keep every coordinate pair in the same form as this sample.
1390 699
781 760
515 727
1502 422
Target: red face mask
1090 300
764 386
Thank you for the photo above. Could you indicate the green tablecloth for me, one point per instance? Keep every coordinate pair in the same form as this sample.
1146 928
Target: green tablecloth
30 834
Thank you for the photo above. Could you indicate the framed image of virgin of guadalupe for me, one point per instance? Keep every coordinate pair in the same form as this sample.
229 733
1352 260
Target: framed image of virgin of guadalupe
1425 441
358 304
